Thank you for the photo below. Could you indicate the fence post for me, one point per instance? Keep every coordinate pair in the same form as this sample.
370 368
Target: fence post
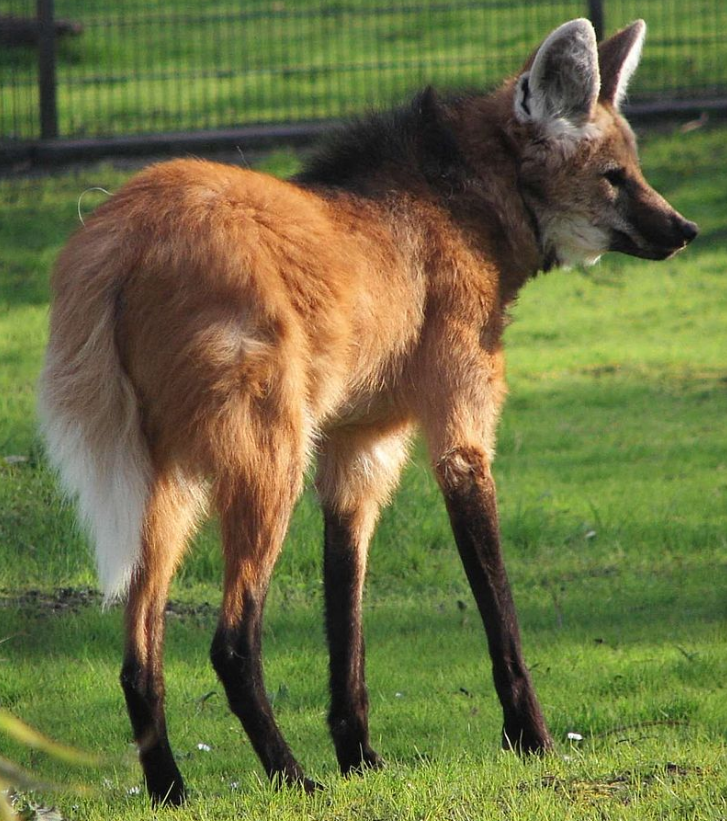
595 15
47 69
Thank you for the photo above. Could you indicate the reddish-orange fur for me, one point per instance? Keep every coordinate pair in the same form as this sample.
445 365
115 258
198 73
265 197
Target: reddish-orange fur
257 322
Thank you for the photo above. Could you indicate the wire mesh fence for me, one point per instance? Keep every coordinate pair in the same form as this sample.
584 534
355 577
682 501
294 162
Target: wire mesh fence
148 66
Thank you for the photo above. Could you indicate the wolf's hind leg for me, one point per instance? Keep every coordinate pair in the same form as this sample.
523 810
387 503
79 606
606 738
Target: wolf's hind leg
170 516
255 504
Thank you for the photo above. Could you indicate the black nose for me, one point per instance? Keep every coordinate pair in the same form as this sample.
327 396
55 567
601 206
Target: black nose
689 230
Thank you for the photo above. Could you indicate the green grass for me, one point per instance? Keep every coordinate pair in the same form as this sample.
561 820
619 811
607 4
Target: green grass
612 471
175 66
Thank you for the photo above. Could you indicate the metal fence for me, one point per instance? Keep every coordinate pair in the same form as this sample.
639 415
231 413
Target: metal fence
76 69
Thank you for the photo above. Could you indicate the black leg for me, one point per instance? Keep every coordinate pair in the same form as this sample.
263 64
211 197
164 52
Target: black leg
144 692
236 656
469 493
344 570
142 679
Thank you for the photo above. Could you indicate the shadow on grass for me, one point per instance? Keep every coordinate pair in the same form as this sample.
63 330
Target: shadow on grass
610 605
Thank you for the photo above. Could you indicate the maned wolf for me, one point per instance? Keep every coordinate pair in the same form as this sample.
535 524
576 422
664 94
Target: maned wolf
213 329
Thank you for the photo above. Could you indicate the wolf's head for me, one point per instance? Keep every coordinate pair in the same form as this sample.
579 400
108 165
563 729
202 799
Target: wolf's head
580 172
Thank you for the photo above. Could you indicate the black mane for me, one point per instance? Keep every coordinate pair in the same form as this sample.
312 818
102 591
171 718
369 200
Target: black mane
415 140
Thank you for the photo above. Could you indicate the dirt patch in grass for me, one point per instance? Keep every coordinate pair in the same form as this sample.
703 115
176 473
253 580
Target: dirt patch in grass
622 786
61 600
73 599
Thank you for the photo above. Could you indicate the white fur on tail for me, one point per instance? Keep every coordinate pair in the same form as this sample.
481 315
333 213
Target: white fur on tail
90 420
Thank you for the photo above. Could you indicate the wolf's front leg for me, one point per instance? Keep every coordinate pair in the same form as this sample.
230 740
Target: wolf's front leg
469 492
357 471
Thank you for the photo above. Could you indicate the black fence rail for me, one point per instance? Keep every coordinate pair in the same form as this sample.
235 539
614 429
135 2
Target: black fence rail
73 69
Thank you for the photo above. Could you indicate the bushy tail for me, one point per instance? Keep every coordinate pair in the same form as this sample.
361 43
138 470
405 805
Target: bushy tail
89 413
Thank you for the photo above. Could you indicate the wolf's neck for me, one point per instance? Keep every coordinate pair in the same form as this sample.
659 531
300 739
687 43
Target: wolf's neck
451 153
511 237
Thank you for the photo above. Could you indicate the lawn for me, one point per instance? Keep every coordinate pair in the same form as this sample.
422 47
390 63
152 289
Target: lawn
612 472
168 65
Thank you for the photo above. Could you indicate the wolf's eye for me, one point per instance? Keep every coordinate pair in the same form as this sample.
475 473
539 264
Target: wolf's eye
616 176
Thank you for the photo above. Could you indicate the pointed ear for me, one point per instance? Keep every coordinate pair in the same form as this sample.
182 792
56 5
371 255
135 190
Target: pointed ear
619 56
563 79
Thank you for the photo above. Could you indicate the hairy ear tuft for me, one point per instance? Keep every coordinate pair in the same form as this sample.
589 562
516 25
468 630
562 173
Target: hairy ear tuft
564 79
